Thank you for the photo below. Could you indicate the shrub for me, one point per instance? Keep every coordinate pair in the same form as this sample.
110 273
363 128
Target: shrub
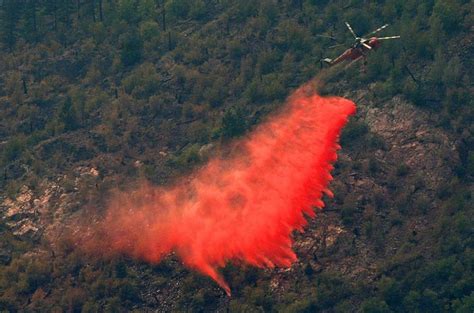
348 213
149 30
373 166
375 305
353 131
402 170
377 142
188 157
450 14
13 149
131 49
178 8
128 292
143 82
197 9
67 116
233 123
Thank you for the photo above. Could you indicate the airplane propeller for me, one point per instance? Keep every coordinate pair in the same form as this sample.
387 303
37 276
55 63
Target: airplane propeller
325 36
376 31
338 45
351 30
391 37
367 46
363 40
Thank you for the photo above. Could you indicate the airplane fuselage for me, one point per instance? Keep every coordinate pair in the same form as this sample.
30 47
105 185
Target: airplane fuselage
355 52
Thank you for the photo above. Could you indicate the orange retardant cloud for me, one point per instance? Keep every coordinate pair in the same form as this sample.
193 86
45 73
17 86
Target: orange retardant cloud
241 208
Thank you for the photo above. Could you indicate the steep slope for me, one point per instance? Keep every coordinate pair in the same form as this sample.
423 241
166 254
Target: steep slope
147 90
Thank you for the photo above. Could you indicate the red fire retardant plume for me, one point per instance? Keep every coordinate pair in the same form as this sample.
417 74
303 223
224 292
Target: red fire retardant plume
243 208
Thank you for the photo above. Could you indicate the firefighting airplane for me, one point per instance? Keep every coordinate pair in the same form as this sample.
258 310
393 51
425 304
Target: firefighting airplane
360 48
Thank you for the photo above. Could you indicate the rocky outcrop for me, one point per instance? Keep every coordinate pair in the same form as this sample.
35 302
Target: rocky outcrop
411 139
29 214
20 214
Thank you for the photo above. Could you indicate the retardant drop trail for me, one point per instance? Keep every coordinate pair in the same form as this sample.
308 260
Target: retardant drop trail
240 209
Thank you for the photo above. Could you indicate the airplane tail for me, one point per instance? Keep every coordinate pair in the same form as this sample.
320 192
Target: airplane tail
325 61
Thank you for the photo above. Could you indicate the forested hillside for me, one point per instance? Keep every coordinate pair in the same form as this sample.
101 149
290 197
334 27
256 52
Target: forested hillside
100 94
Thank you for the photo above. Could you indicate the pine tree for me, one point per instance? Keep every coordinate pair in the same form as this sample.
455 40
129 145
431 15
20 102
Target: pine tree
9 16
67 115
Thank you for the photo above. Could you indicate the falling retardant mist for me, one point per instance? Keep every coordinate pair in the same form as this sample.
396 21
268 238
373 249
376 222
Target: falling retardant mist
240 208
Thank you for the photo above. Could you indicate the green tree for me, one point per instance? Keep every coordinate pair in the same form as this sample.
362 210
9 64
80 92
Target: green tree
10 12
67 115
131 49
233 123
449 13
178 8
375 305
13 149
